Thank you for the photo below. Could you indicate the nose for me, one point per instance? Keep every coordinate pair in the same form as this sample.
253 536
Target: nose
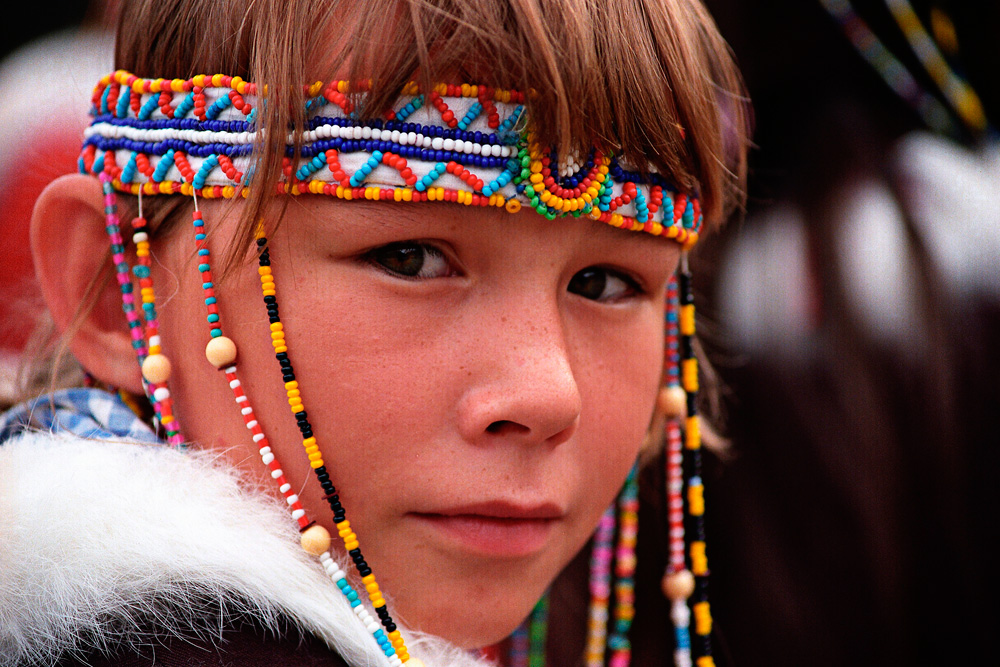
523 389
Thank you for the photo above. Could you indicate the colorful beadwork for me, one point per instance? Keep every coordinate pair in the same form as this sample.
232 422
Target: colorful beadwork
527 643
196 136
600 590
350 539
960 95
154 365
673 405
221 352
628 532
695 505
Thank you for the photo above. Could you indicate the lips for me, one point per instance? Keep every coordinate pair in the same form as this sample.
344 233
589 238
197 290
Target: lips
497 529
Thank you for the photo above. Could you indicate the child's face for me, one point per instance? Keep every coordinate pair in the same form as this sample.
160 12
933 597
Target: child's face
477 417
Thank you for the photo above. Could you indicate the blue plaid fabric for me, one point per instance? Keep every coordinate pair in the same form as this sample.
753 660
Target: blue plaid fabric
88 413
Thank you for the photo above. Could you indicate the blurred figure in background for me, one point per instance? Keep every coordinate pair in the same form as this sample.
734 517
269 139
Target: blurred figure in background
72 44
856 519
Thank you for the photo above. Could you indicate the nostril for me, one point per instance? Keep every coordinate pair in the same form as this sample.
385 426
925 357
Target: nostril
505 426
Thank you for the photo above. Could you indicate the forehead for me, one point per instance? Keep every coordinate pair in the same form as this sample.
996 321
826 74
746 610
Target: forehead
353 226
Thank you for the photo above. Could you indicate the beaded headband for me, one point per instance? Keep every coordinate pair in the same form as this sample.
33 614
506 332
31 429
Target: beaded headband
195 137
465 144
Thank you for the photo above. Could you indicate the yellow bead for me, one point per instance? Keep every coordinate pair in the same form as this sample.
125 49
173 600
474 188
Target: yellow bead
156 369
512 205
316 540
689 374
692 434
221 352
702 618
672 402
699 560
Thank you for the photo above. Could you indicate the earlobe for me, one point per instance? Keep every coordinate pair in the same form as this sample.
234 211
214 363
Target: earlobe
69 245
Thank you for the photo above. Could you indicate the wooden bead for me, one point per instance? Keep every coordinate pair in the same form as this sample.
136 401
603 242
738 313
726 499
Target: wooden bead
221 352
672 402
156 369
414 662
678 586
316 540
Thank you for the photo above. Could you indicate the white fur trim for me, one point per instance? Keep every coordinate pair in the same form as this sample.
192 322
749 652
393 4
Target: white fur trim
97 535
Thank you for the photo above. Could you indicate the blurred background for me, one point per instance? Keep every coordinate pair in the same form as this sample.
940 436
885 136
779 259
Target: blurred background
853 314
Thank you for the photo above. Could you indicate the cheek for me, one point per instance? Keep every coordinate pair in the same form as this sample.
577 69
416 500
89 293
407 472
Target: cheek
618 384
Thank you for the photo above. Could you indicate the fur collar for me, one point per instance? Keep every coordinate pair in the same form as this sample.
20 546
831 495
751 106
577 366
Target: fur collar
98 536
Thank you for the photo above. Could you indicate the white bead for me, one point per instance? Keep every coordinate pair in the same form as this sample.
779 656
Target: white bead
394 661
257 437
277 473
680 614
359 610
496 150
449 144
140 237
412 137
292 499
366 132
459 145
505 151
251 423
437 143
357 132
246 411
231 369
394 137
372 627
376 134
298 514
477 149
154 340
284 488
335 130
324 557
266 458
161 394
243 399
427 142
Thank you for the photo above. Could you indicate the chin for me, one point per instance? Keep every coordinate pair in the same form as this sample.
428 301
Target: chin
479 614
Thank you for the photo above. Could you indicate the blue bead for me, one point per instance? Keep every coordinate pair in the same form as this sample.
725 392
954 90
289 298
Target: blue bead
216 333
204 267
213 318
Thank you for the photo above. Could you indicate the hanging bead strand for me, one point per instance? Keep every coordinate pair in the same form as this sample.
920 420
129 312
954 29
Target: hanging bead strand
695 489
600 589
158 391
678 582
391 640
154 365
625 560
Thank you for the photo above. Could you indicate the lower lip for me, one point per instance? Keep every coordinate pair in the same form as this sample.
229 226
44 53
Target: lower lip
490 535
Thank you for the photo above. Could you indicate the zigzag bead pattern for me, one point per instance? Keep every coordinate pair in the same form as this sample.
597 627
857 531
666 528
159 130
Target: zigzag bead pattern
465 144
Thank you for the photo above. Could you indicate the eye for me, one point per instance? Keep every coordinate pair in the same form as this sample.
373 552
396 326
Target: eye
603 285
411 259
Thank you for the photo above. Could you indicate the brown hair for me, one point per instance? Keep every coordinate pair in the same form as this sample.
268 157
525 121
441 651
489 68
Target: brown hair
650 80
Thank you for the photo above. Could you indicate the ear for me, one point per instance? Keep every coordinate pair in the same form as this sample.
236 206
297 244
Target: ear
69 245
